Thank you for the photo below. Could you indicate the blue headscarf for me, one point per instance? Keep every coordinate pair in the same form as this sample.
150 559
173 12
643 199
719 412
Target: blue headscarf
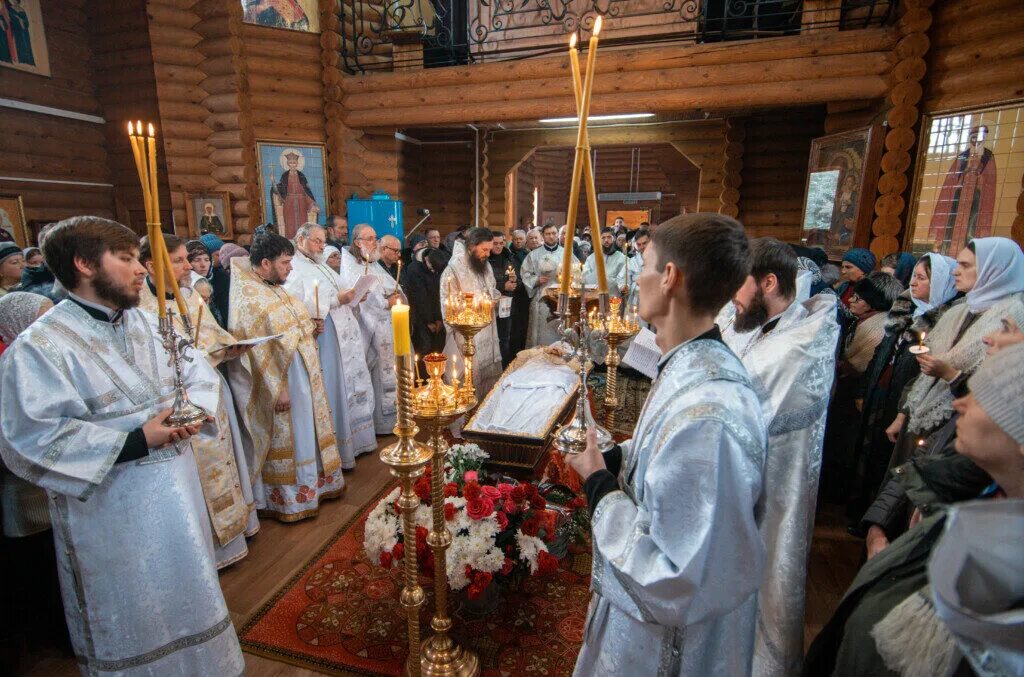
862 258
1000 272
212 242
905 268
942 283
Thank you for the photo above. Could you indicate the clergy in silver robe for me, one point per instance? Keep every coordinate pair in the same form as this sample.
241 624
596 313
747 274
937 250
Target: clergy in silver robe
374 315
677 553
460 277
540 270
614 265
793 365
342 351
133 541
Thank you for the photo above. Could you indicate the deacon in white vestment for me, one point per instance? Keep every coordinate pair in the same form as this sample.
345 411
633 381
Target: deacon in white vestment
539 270
374 314
615 263
468 271
81 396
677 553
788 347
280 388
342 351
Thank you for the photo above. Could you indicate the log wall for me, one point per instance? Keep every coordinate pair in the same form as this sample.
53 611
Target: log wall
42 147
774 172
439 178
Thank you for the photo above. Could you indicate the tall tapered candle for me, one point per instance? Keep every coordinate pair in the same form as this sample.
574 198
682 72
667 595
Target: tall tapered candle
140 166
400 329
154 196
169 274
316 297
199 320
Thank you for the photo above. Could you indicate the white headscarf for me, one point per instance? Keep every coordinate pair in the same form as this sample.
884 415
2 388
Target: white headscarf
942 283
328 250
18 310
1000 272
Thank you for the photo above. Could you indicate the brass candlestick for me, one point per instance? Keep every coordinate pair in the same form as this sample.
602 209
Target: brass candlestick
435 406
184 413
468 316
407 459
620 328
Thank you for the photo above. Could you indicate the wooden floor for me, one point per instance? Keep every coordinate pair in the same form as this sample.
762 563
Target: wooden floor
278 550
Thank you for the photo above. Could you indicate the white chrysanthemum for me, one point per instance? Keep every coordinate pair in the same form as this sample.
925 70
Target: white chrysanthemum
529 548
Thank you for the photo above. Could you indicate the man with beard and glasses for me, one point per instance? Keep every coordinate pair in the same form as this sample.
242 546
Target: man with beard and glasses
506 278
342 351
540 269
468 271
788 347
280 386
374 314
223 466
614 265
132 537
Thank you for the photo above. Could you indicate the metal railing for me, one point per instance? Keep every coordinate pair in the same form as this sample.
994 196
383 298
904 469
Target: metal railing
456 32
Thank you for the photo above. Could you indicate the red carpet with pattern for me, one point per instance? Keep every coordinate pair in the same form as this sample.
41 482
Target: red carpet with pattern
340 615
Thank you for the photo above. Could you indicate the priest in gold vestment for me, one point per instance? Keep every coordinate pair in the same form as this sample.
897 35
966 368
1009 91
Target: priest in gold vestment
221 459
279 387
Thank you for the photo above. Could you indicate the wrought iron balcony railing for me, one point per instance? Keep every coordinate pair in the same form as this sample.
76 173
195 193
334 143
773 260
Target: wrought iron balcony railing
377 33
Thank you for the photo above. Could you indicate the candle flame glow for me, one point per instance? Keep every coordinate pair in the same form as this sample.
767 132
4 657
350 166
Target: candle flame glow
131 130
597 26
572 41
152 131
138 126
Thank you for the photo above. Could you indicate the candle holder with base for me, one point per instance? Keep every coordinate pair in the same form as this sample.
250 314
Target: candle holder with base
435 405
407 459
468 316
184 412
620 327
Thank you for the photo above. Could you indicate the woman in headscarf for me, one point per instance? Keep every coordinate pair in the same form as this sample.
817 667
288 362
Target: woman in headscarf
36 277
893 367
12 262
415 247
34 606
332 257
422 285
990 271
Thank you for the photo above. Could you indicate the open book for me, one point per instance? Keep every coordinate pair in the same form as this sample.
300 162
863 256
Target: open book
643 354
247 342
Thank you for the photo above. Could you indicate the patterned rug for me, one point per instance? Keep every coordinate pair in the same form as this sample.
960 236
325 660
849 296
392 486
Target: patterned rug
633 389
340 615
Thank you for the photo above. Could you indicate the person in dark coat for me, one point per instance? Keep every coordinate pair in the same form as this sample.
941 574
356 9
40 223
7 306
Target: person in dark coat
506 280
421 283
520 319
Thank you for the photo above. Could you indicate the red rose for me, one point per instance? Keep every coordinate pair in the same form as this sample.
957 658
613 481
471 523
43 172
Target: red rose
471 491
506 489
502 521
491 492
537 502
482 578
479 508
510 507
577 503
398 552
469 572
530 489
531 526
546 563
451 489
449 512
518 494
507 567
385 559
474 592
422 489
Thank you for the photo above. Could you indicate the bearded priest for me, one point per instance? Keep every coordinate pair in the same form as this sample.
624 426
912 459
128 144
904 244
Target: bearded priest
223 467
677 553
374 315
615 263
342 352
788 345
540 269
85 393
280 387
469 271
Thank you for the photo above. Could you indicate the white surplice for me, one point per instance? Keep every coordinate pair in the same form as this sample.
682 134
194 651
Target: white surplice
793 365
342 356
614 272
133 540
458 276
677 553
374 317
543 325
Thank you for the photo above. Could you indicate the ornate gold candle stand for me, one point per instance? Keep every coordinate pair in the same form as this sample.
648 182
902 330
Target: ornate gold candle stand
468 317
407 459
435 406
620 328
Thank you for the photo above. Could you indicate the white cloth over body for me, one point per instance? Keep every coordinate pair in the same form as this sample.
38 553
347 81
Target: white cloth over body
133 540
614 272
526 398
459 277
793 366
342 357
677 553
542 329
295 501
374 317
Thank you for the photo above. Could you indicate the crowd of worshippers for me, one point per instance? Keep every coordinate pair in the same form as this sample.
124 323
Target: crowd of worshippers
786 382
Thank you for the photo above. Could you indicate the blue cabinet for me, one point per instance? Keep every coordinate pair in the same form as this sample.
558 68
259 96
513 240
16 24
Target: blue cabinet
380 211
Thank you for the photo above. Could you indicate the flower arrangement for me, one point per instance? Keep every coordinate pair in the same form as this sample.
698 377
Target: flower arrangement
498 529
